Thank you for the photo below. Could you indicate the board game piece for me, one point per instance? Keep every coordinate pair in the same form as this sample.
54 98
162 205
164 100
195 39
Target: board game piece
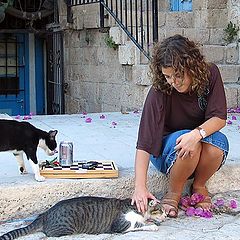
90 169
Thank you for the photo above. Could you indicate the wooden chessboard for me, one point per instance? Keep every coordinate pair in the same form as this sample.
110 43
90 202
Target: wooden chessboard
105 169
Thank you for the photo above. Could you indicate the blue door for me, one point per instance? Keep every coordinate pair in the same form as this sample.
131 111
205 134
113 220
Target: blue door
13 77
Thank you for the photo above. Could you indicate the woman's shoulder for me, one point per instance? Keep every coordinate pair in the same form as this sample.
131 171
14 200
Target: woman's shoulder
215 74
155 98
155 94
213 68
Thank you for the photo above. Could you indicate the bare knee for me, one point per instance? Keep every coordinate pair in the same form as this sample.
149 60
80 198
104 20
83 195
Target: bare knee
211 151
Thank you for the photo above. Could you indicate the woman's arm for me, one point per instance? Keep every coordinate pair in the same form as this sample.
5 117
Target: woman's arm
141 194
186 143
212 125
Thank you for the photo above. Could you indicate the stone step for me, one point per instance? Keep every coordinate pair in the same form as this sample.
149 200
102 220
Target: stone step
27 197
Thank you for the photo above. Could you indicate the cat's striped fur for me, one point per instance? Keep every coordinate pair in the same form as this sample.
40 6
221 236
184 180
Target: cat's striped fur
91 215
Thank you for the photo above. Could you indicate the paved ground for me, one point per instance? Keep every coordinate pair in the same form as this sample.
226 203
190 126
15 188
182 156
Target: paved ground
220 227
113 137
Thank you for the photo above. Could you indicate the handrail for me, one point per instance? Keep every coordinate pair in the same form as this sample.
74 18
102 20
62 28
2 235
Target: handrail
137 18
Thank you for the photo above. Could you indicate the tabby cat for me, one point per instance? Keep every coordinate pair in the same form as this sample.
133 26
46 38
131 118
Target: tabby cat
22 137
92 215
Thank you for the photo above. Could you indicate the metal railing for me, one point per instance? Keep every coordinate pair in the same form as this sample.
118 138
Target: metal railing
137 18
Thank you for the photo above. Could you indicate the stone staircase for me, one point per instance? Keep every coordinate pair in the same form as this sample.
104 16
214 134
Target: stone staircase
226 57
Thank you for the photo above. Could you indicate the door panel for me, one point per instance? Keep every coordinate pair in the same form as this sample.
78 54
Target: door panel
12 74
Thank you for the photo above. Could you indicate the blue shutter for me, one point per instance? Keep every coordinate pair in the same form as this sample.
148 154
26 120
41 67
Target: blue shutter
181 5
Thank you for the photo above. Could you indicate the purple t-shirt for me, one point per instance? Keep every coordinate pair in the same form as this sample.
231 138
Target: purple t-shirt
163 114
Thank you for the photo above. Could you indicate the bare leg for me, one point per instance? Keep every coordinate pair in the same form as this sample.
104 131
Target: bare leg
210 160
179 173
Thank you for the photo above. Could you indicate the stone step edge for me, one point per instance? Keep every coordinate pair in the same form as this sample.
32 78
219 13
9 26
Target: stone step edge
23 200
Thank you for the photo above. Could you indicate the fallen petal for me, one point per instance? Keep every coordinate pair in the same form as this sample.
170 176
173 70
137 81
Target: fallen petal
233 204
88 120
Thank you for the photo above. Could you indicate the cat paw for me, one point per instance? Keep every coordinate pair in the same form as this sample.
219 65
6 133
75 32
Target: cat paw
40 178
23 170
153 228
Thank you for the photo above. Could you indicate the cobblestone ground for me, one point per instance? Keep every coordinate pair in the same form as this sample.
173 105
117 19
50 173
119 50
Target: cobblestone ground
223 226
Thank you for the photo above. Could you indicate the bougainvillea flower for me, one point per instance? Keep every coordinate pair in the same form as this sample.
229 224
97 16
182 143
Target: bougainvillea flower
234 118
196 198
114 124
234 110
88 120
233 204
199 212
102 116
84 113
229 122
219 202
17 117
190 211
207 214
26 117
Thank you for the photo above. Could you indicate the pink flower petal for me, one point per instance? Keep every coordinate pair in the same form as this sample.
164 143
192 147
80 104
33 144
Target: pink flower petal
229 122
190 211
18 117
102 116
233 204
207 214
196 198
234 118
88 120
84 113
114 124
219 202
199 212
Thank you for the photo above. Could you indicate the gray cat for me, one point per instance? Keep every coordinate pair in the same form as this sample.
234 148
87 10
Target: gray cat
92 215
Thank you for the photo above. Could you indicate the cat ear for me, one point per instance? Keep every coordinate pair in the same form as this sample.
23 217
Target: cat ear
53 133
153 202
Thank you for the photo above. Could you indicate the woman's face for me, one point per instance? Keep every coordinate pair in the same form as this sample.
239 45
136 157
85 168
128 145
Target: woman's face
181 84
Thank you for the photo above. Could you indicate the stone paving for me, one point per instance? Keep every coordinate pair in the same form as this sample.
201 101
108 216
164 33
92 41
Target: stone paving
220 227
102 139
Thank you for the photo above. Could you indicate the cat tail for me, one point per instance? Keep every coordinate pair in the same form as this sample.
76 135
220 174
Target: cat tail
35 226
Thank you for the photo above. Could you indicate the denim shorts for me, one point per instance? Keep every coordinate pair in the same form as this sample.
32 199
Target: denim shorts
168 156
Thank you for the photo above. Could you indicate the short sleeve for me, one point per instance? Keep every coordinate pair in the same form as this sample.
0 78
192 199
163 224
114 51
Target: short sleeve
151 126
217 106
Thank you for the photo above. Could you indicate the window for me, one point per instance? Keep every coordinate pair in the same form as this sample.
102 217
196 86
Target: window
9 80
181 5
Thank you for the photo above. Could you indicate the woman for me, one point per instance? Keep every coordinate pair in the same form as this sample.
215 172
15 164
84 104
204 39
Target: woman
179 129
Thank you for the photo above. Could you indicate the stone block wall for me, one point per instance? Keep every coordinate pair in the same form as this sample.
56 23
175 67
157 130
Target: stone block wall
97 82
102 79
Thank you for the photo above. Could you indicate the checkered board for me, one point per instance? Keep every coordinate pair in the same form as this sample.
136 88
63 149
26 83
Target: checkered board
105 169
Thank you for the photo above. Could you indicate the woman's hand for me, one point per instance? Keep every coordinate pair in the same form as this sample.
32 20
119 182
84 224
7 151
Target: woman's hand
140 198
186 143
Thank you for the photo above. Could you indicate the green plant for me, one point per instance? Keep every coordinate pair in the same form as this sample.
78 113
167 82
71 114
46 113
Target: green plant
231 32
110 42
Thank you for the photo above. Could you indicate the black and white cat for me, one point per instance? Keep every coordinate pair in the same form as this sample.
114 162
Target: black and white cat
19 137
92 215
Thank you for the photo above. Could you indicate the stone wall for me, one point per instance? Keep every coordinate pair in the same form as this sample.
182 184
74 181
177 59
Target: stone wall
102 79
97 82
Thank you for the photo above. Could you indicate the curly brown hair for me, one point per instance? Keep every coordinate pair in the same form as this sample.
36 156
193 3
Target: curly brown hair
182 55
